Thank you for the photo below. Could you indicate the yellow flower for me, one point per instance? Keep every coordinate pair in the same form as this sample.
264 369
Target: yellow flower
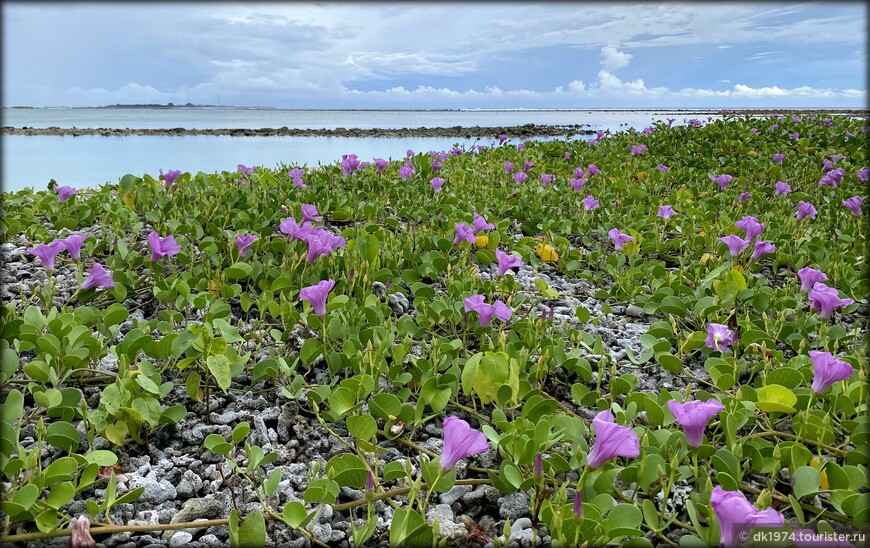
482 241
738 268
546 253
641 175
815 463
752 154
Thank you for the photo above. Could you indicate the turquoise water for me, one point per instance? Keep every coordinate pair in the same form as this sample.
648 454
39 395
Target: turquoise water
31 161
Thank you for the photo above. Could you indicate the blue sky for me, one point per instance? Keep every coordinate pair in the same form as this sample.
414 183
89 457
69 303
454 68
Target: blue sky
437 55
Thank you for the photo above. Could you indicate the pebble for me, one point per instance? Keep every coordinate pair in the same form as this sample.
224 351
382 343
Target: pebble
180 539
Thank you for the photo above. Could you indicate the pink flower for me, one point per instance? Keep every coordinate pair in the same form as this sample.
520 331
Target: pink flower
578 172
567 157
781 188
321 242
806 209
762 247
316 295
162 246
611 440
593 169
854 204
460 441
744 196
502 138
589 202
735 244
577 508
663 168
349 163
170 176
693 416
296 175
244 243
506 262
81 534
480 224
719 337
722 180
864 174
73 244
751 226
527 165
666 212
618 238
827 370
485 312
64 192
309 213
98 278
777 158
833 178
436 183
380 164
809 276
406 171
737 515
547 178
578 183
241 168
638 149
463 232
826 299
519 177
294 231
508 167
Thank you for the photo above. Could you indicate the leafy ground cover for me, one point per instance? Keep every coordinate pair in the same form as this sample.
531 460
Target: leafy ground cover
653 337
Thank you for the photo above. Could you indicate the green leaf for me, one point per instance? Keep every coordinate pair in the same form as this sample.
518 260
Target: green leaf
60 470
228 332
806 481
347 470
63 435
310 351
362 427
101 457
321 491
241 431
671 363
775 398
295 516
251 533
237 271
60 495
341 400
219 367
217 444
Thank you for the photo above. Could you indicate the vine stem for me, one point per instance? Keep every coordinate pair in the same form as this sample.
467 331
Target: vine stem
776 433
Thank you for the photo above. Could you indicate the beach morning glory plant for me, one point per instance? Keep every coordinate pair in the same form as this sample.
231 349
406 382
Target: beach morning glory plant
666 212
160 247
611 440
827 370
854 204
47 253
618 238
170 177
735 514
589 202
722 180
826 299
809 276
316 295
296 175
693 416
460 441
480 224
463 232
781 188
436 183
506 262
244 243
73 244
751 226
806 209
762 247
719 337
98 277
64 192
735 244
485 311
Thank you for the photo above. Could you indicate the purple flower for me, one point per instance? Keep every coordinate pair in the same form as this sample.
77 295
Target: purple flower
827 370
619 239
578 172
349 163
64 192
666 212
735 244
480 224
663 168
806 209
762 247
781 188
722 180
778 157
538 467
593 169
244 243
98 278
577 509
827 165
406 171
506 261
527 165
519 177
508 167
73 244
864 174
719 337
436 183
744 196
750 226
460 441
736 515
547 178
316 295
795 136
463 232
773 127
671 121
809 277
589 202
611 440
370 482
832 178
578 183
80 537
828 122
321 242
296 175
309 213
826 299
380 164
170 176
409 153
854 204
47 253
693 416
162 246
502 138
485 312
436 165
294 231
638 149
694 122
241 168
567 157
521 146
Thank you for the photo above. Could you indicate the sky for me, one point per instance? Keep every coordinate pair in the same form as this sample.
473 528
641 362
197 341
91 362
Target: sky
429 55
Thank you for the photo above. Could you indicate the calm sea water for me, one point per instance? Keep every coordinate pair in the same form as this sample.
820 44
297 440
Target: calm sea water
31 161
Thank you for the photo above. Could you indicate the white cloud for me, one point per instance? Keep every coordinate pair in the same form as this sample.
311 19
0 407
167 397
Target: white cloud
614 59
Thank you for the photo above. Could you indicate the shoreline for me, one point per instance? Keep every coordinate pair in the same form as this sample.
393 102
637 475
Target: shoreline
466 132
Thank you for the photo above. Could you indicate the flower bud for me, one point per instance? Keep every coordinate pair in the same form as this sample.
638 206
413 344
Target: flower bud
538 469
578 506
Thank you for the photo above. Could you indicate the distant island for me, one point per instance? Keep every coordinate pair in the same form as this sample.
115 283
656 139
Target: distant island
154 105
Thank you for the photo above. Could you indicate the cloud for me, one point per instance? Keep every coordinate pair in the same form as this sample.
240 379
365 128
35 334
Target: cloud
614 59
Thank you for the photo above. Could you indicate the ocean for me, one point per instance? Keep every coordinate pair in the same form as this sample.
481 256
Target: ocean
32 161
